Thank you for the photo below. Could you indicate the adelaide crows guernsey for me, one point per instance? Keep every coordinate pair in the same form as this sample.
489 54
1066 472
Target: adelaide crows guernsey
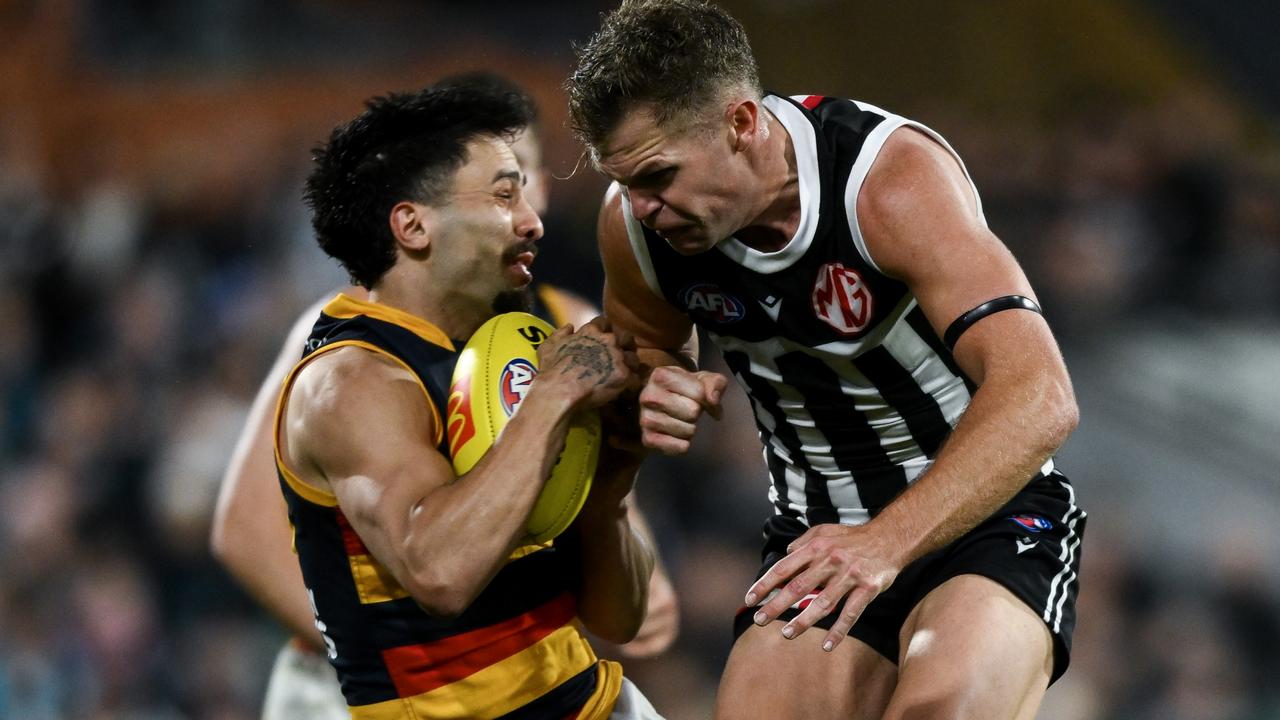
852 390
516 652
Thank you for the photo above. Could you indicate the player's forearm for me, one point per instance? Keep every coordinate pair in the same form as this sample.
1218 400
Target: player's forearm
460 534
616 566
1008 432
259 557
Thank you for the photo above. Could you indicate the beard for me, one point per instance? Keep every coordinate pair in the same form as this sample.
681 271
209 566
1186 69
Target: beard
514 301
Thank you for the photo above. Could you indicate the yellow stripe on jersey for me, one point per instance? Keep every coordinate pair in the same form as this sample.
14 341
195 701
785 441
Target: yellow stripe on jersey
506 685
374 582
345 307
310 493
608 684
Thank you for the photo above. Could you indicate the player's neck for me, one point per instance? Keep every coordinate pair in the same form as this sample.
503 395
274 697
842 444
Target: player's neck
456 315
778 202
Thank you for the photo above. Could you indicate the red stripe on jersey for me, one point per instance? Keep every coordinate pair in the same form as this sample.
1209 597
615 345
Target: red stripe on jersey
420 668
350 540
812 101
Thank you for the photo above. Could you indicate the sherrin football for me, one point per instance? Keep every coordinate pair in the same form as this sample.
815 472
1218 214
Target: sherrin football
492 376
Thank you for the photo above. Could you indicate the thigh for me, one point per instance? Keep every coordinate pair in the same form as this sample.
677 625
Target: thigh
972 649
768 676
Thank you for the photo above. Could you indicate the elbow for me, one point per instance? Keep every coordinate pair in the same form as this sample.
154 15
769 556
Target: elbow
438 592
1061 412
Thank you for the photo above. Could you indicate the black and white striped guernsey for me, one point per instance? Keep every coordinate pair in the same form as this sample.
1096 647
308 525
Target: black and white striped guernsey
853 391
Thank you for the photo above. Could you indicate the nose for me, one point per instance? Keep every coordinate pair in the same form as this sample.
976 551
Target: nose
643 204
526 222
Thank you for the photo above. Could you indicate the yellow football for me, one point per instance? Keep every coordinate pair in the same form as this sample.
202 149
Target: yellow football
492 376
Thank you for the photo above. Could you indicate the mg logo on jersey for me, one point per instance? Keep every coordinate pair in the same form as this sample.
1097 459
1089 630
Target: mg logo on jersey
707 300
514 383
842 299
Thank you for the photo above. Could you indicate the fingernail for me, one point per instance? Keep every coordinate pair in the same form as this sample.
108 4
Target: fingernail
828 645
788 631
751 599
761 618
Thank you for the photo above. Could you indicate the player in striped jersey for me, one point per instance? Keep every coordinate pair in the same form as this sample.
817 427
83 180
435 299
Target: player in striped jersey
250 532
425 604
906 388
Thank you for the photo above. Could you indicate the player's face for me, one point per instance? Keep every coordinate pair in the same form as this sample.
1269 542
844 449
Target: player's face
528 152
485 236
683 183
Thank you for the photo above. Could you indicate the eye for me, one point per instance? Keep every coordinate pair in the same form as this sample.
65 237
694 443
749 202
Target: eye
656 178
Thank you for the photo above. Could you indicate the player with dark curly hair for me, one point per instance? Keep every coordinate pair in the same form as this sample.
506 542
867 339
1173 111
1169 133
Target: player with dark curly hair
427 602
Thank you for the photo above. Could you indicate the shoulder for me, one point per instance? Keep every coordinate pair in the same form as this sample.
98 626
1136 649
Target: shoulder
916 194
343 379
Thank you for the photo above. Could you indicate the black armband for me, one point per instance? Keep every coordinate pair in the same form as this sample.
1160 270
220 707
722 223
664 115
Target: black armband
990 307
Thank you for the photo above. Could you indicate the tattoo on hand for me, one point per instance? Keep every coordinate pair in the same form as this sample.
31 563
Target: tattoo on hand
589 354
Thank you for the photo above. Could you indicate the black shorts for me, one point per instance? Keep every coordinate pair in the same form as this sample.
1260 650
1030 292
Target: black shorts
1030 546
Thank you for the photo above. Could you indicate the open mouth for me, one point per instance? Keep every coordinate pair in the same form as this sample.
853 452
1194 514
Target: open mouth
519 262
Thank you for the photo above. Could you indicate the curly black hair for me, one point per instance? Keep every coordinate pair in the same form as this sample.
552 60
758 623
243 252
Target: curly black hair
404 146
677 55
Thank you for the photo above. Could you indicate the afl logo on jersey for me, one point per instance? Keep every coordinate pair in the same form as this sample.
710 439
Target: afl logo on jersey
707 301
841 299
514 383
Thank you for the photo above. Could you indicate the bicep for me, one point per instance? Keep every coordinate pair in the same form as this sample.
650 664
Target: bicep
920 221
368 431
629 302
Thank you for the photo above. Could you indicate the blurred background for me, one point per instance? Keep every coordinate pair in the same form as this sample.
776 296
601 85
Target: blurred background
154 250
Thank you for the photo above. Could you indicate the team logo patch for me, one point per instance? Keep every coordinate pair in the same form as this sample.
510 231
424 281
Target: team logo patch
514 383
1033 523
842 299
707 301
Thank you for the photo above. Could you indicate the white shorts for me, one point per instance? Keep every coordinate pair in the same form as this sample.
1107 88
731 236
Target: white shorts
632 704
303 686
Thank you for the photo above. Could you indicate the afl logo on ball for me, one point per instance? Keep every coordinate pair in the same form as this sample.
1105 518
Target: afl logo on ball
708 302
841 299
514 383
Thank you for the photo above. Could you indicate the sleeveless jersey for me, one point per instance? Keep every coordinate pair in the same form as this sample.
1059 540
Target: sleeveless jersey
516 652
853 392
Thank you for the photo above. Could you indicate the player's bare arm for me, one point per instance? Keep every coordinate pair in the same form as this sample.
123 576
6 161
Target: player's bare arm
675 393
920 220
661 623
358 424
250 534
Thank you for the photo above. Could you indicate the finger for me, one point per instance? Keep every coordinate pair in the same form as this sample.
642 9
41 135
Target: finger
818 608
677 380
854 604
600 322
713 387
775 577
678 406
791 593
664 444
663 424
812 534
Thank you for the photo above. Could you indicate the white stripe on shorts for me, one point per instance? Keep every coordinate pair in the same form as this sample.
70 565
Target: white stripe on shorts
1066 576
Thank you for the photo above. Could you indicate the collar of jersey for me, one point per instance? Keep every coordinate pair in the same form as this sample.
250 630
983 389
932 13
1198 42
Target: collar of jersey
804 143
344 306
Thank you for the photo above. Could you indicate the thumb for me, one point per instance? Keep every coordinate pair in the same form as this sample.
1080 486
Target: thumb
713 386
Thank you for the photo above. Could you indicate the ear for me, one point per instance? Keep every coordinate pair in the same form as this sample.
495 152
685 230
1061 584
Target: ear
411 225
743 117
